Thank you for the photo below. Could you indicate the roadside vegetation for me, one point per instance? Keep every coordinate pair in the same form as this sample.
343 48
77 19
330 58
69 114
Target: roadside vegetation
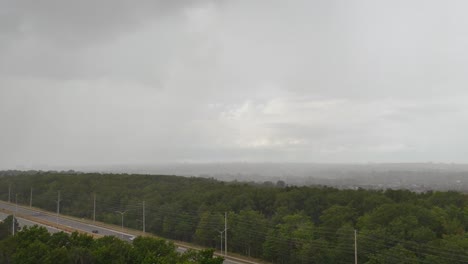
35 245
270 221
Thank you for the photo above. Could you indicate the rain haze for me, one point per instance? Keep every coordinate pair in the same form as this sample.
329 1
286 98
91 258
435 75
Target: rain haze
96 83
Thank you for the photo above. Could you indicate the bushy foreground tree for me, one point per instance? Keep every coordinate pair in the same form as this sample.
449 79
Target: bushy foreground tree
35 245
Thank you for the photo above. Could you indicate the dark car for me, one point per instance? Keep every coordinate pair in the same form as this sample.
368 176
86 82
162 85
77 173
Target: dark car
95 231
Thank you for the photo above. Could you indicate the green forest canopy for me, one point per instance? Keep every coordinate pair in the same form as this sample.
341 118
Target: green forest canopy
35 245
282 224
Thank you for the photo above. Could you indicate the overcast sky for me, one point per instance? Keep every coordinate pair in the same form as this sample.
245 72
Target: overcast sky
141 81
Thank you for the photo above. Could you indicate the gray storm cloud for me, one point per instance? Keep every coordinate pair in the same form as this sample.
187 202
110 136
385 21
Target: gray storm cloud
133 82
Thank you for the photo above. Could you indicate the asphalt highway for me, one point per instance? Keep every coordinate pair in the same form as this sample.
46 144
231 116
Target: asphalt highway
64 221
24 222
60 221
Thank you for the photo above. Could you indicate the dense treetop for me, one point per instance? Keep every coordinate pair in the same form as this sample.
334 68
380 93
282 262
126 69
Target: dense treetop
282 224
36 245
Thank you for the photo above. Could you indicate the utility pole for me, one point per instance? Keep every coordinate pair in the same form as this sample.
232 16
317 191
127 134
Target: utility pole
58 207
16 203
122 214
221 240
13 225
144 227
13 218
30 199
225 234
94 208
9 192
355 246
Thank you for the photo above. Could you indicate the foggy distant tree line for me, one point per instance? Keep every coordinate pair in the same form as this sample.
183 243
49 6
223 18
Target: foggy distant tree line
274 222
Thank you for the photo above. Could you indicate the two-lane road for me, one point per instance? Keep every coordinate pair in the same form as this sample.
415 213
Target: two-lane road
64 221
50 221
24 222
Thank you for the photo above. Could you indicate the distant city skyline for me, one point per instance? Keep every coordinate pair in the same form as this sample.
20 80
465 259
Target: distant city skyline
86 83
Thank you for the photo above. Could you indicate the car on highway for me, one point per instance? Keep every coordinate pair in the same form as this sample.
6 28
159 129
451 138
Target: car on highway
95 231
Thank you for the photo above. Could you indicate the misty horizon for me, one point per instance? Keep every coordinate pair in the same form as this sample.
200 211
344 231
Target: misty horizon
96 84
